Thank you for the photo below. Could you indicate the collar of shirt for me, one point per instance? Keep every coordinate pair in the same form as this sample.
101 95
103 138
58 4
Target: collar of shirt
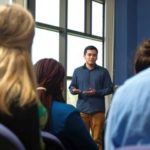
95 66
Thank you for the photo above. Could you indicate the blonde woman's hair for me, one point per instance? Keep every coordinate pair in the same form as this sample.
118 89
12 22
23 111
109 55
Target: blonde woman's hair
17 83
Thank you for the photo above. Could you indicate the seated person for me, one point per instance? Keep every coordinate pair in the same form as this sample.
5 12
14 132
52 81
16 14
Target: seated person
64 120
128 120
18 99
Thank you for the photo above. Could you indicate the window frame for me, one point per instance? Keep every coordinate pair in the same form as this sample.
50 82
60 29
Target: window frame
64 31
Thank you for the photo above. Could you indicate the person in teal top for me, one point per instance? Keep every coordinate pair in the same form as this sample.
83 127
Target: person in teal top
64 120
67 125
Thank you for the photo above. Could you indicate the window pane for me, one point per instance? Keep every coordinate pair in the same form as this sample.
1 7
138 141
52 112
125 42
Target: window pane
76 15
97 19
5 2
45 45
47 11
76 47
71 99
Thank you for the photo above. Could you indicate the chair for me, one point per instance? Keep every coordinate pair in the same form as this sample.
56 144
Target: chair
136 147
51 141
8 140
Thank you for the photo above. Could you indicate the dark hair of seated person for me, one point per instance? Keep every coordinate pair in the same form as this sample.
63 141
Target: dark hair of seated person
50 75
142 56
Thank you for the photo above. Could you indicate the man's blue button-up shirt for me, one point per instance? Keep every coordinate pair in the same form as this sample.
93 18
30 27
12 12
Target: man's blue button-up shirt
99 79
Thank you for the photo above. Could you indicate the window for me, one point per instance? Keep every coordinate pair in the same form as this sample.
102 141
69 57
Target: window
76 15
71 99
45 45
47 11
63 32
6 1
97 18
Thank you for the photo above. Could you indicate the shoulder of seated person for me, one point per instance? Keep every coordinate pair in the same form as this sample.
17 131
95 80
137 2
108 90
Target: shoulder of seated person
64 108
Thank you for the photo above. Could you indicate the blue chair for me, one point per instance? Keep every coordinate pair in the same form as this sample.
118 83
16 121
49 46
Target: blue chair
136 147
51 141
8 140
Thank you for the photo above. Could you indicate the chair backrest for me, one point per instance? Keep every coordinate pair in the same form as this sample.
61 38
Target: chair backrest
8 140
51 141
137 147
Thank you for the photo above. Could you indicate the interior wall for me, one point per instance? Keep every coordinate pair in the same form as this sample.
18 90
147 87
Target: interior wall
125 39
109 42
143 20
132 25
109 36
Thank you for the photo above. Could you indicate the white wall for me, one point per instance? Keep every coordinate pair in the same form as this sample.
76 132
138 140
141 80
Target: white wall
109 41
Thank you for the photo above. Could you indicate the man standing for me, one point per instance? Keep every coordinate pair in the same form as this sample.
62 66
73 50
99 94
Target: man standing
92 82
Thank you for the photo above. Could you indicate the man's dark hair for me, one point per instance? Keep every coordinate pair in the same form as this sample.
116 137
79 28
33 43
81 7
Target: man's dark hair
90 47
